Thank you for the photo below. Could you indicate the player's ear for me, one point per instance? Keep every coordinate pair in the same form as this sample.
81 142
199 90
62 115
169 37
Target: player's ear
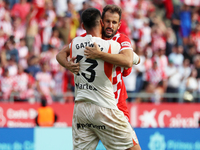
119 24
82 25
101 21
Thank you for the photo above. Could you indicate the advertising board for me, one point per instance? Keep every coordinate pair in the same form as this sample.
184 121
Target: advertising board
143 115
61 138
164 115
23 114
16 139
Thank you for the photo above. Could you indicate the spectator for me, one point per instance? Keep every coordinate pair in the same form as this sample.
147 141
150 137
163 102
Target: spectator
176 22
58 90
45 27
145 33
177 55
185 26
63 25
21 10
197 65
169 8
46 116
33 39
158 92
73 19
6 85
140 70
174 80
50 58
155 74
12 67
158 40
148 52
191 87
21 87
5 22
19 29
195 37
44 82
84 7
60 7
23 53
55 40
185 71
161 59
171 41
3 38
190 54
33 65
10 52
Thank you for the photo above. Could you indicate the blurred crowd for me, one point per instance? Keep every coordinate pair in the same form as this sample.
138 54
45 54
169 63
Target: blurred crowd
164 33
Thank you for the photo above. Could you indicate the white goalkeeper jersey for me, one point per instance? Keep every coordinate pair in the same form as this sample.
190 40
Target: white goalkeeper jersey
94 81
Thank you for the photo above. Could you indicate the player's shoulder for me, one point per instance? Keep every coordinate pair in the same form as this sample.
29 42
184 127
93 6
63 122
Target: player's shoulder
83 35
112 42
81 38
122 39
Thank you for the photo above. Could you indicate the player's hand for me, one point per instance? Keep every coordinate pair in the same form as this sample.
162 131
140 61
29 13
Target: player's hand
92 52
73 67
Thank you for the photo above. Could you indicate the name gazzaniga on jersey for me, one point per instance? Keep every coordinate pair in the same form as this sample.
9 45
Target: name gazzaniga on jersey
89 44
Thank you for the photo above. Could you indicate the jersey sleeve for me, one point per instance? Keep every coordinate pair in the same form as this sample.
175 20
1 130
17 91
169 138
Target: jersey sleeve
83 35
126 72
124 42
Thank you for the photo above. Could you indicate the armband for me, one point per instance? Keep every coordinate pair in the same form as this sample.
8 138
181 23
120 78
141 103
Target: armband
136 58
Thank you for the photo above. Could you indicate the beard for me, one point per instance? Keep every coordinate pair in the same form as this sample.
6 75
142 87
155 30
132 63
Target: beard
108 35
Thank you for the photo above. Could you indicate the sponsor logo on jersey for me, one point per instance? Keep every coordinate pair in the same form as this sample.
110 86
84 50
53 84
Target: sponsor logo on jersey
126 44
85 86
89 125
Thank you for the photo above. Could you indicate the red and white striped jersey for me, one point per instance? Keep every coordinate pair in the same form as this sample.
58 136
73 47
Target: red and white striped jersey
196 39
19 33
55 41
162 61
45 80
158 42
21 82
154 76
118 83
50 58
21 85
7 84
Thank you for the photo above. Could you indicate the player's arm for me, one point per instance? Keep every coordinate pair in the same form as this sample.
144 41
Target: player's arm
62 58
126 58
136 59
123 59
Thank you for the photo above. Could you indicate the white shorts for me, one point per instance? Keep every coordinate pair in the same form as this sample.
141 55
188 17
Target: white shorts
92 123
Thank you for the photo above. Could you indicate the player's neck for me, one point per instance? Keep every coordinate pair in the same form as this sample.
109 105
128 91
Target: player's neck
106 38
95 33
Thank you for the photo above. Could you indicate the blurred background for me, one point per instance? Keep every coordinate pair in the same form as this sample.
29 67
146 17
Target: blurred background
164 89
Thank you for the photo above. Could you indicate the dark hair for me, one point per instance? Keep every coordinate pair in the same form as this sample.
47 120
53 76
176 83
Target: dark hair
91 17
112 9
43 102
